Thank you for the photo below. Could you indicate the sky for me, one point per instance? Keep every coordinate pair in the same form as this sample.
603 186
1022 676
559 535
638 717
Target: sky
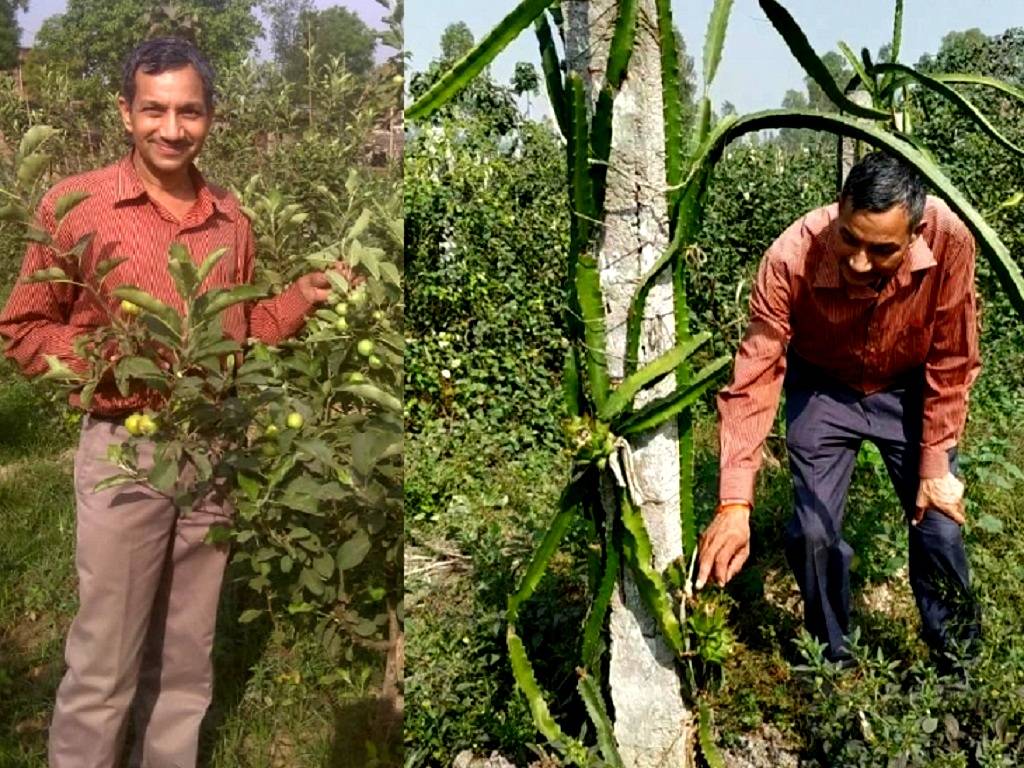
757 68
368 10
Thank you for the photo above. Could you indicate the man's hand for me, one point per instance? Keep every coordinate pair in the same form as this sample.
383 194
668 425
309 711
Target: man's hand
315 287
725 544
945 494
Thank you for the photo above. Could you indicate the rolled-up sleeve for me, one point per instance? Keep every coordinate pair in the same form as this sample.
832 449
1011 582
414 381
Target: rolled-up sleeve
747 406
36 318
953 360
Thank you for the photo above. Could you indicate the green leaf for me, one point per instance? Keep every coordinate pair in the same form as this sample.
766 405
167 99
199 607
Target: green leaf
220 299
250 615
622 397
639 555
672 100
250 486
375 395
114 481
594 624
141 368
929 724
964 78
105 267
311 581
552 69
48 275
572 393
470 65
659 411
961 103
164 473
179 264
858 67
34 138
14 212
58 370
209 263
897 32
594 703
568 505
804 53
990 524
621 48
168 316
714 39
66 203
31 168
324 565
353 551
522 671
706 737
635 313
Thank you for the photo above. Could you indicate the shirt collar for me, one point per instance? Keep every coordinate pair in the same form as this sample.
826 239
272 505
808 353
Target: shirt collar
130 188
826 272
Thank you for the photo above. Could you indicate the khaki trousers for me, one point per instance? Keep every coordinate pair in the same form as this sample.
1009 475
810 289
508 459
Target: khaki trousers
143 635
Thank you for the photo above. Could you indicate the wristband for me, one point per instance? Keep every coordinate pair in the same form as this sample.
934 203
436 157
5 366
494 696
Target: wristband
728 505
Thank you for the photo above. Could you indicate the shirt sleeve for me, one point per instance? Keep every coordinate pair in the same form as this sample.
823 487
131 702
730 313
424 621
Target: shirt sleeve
953 360
747 406
36 322
277 318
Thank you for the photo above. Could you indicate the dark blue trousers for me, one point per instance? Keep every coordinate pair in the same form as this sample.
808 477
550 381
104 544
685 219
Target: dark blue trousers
826 423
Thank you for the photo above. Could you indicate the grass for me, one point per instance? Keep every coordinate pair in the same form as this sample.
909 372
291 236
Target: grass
473 516
279 700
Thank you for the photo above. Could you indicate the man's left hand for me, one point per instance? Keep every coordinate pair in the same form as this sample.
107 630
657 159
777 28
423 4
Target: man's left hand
945 494
315 287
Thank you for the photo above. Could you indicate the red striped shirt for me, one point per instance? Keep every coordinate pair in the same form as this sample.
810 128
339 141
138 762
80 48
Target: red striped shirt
45 318
925 315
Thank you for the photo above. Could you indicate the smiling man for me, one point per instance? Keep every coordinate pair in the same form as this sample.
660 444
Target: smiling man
865 311
149 583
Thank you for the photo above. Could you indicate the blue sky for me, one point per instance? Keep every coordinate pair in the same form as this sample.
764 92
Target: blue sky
752 45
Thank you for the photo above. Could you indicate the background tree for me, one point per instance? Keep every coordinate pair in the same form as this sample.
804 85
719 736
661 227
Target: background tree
10 32
456 41
491 104
525 80
334 32
90 39
283 16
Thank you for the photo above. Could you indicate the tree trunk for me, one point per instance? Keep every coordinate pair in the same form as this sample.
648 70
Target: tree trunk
652 725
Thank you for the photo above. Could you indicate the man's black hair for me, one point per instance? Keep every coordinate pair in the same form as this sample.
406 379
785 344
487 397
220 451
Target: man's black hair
880 181
164 54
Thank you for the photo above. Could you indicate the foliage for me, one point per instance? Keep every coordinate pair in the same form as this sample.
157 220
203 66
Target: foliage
10 32
92 37
321 35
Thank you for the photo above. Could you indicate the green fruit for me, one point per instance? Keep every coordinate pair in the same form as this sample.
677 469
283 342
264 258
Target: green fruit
147 426
377 315
129 308
295 420
375 362
132 424
365 347
333 298
341 324
271 430
268 449
341 308
357 297
356 378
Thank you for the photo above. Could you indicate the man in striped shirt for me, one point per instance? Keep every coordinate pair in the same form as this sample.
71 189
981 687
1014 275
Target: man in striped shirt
149 583
864 311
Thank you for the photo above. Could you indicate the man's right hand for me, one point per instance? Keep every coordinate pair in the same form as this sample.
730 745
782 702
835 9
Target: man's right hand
724 545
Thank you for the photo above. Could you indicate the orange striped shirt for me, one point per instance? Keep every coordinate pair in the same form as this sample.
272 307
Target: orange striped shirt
925 315
45 318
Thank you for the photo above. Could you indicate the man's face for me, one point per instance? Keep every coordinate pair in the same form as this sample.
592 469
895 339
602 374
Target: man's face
168 119
871 246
